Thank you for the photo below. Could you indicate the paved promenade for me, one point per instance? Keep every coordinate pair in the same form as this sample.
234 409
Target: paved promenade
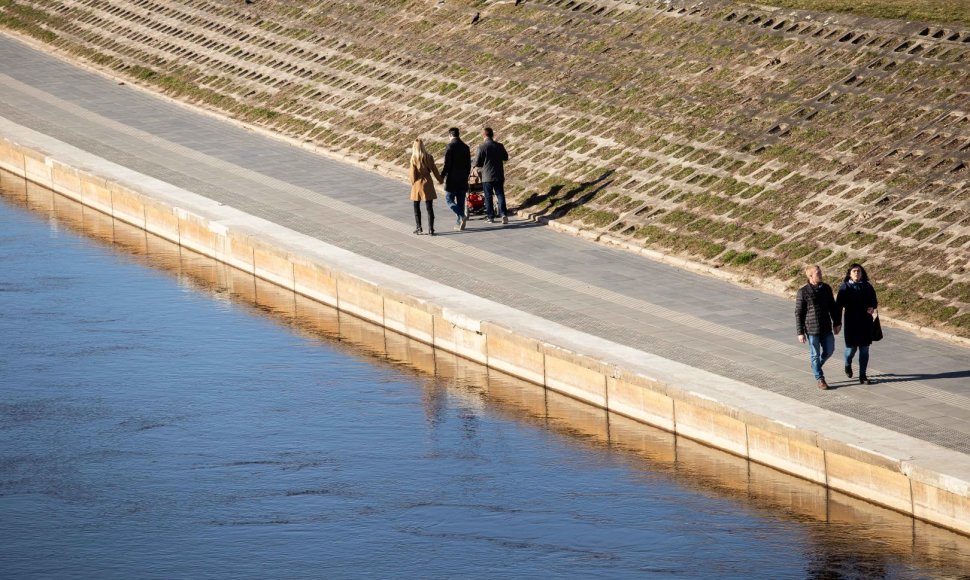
923 387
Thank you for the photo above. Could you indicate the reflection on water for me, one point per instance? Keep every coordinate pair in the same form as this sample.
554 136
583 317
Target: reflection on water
223 427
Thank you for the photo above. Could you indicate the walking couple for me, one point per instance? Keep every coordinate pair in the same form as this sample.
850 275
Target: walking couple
489 165
819 317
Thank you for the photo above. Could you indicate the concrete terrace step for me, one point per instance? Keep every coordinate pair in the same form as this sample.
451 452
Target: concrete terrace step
701 337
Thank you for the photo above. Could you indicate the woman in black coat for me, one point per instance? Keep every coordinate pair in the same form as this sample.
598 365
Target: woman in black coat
858 298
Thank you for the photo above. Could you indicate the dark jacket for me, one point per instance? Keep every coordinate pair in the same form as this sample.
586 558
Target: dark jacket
491 157
458 165
855 299
815 310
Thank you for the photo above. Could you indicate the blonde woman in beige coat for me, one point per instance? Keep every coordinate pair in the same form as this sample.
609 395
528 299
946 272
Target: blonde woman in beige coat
423 170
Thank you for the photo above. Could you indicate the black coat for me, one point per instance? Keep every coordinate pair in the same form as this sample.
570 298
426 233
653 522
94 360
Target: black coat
491 158
855 299
815 310
458 165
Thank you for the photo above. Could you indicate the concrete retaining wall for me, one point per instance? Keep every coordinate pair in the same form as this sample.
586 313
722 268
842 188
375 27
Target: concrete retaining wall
887 468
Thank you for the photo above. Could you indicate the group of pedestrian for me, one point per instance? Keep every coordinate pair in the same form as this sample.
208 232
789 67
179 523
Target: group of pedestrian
489 166
820 314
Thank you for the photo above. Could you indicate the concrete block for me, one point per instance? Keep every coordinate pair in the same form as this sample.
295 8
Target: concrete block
37 167
94 193
514 354
65 180
11 157
459 340
640 399
396 315
870 482
408 316
161 221
941 506
314 281
239 252
360 298
194 234
781 451
420 322
273 265
576 376
710 426
127 205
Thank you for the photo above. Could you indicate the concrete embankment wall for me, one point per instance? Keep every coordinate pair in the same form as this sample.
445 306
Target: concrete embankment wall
887 468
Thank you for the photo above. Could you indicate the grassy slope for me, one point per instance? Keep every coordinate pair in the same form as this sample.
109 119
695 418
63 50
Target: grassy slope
942 11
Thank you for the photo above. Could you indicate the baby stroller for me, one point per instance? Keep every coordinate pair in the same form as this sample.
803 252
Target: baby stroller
475 199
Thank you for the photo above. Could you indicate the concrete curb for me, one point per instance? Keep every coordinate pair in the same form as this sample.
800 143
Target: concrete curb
908 475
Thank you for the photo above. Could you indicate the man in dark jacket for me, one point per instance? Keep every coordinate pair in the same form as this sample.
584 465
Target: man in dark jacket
817 321
458 165
490 163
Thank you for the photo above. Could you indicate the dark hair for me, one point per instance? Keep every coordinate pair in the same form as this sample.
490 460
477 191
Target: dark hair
488 132
864 278
453 131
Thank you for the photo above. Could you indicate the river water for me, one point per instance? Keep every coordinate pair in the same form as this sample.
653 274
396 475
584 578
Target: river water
164 416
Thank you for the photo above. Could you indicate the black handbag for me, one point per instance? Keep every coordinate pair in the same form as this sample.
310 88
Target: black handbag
876 329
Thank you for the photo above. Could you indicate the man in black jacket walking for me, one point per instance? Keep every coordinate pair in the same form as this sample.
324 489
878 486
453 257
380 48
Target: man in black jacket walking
458 165
490 163
817 321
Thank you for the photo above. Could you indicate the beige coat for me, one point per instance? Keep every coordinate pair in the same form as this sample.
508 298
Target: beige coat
422 187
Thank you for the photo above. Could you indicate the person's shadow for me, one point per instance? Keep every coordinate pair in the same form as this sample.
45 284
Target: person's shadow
895 378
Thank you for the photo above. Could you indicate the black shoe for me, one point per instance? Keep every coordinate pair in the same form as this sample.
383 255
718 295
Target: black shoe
430 232
505 219
848 371
418 231
864 380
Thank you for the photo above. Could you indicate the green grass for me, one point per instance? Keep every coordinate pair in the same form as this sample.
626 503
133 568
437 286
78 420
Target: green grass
947 11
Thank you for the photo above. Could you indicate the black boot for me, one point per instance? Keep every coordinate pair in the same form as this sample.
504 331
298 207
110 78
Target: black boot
848 371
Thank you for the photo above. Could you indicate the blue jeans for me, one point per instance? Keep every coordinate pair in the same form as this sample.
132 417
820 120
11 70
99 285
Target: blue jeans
820 348
456 202
863 357
496 188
